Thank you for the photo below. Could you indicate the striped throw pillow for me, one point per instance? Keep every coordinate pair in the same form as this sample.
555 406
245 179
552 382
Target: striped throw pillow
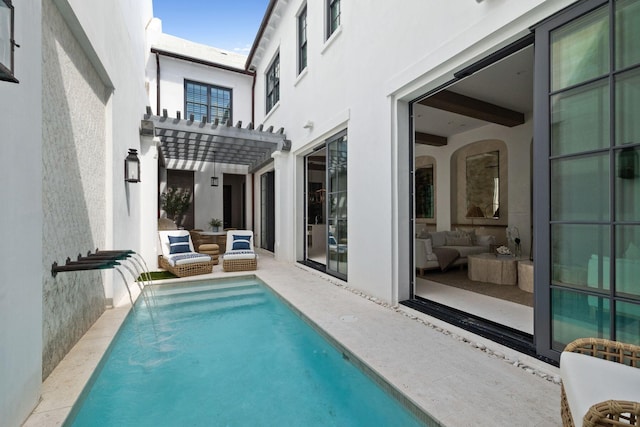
179 244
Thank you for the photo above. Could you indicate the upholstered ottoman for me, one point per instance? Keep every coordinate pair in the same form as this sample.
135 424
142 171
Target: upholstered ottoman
210 249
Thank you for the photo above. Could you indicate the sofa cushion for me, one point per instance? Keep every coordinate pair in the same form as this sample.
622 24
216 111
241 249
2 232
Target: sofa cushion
588 380
458 240
438 238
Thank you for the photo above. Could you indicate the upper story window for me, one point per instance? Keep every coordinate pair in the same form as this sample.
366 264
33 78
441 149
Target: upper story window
7 44
333 16
302 40
273 83
202 99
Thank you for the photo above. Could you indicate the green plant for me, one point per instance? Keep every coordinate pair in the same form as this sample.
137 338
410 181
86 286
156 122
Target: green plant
175 202
215 222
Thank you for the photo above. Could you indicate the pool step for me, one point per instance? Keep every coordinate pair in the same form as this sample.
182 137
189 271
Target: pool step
211 294
175 289
198 292
181 310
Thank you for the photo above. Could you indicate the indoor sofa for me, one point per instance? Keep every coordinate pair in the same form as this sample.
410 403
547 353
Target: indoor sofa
444 249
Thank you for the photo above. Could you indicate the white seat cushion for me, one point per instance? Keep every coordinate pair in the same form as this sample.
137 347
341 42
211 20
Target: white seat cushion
589 380
187 258
239 254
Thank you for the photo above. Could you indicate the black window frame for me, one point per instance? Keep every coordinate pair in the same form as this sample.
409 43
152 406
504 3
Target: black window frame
302 40
272 92
333 23
210 107
7 71
542 205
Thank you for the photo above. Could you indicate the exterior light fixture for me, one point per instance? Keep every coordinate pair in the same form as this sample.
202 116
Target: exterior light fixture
132 166
7 43
214 178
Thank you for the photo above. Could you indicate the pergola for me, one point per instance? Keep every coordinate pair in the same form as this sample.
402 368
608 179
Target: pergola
201 141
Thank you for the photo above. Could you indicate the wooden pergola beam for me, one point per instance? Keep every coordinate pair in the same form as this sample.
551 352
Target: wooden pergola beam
475 108
430 139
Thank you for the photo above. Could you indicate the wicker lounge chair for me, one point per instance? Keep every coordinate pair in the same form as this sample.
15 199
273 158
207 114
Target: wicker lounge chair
239 254
182 260
600 386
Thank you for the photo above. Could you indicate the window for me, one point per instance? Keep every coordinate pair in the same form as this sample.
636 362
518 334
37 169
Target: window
213 102
7 44
273 83
333 16
302 40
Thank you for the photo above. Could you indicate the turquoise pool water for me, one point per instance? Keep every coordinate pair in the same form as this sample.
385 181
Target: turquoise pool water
229 353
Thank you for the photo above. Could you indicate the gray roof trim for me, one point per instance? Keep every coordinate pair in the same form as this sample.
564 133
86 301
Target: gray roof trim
198 141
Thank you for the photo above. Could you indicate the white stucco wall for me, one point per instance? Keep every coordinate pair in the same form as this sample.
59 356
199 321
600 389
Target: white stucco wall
382 56
20 261
106 51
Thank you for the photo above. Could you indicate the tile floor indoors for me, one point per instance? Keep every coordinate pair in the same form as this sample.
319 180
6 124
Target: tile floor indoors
460 379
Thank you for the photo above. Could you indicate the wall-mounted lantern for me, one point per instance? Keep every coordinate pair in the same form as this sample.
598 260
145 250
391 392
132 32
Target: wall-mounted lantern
7 43
132 166
214 178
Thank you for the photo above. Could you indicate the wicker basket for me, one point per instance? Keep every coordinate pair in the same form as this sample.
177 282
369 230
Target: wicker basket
612 413
239 264
190 269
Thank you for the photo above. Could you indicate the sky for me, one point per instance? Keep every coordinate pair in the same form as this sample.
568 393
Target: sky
226 24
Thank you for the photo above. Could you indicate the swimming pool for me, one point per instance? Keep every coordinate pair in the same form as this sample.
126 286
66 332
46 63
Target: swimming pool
230 353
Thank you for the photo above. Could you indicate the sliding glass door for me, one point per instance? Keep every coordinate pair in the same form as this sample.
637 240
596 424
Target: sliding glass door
588 150
337 245
326 207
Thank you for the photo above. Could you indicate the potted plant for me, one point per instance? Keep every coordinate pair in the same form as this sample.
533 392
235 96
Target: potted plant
175 202
215 224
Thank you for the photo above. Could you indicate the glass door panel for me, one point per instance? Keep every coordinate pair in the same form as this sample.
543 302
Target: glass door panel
592 237
627 33
628 107
316 218
580 119
580 189
337 244
580 50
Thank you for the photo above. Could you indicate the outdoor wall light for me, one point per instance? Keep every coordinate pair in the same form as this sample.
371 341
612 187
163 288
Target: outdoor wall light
214 178
7 43
132 166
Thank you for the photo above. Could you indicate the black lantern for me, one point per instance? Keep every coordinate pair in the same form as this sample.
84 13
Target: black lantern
7 43
132 166
628 163
214 178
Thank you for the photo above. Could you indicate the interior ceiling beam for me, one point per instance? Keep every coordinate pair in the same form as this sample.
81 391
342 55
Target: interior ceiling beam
475 108
430 139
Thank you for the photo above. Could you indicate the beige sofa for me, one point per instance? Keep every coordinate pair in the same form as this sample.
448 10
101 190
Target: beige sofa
444 249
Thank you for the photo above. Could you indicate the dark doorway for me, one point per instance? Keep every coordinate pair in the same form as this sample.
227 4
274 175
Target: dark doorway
227 208
267 211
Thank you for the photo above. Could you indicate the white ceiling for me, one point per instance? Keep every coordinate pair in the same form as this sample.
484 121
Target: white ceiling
507 83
